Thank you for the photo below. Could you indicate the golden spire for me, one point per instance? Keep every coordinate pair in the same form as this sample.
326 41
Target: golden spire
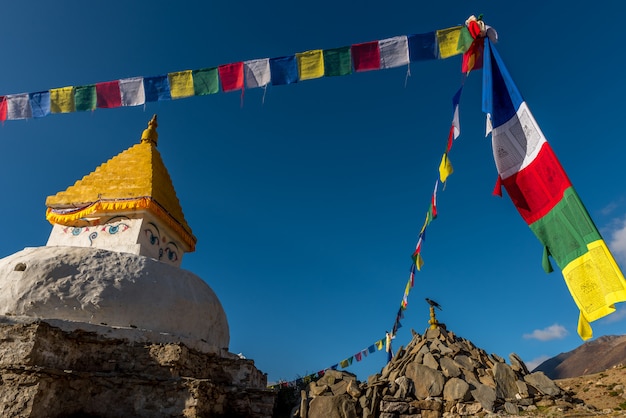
150 134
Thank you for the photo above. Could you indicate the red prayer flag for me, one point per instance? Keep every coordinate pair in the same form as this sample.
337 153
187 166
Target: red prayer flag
366 56
3 108
537 188
473 57
108 94
231 76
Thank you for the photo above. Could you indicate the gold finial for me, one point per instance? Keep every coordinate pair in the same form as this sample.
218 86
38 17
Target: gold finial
433 320
150 134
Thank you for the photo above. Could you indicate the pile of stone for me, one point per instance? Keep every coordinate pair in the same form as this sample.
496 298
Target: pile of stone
438 375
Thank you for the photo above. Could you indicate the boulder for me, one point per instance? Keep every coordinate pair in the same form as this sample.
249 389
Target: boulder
341 406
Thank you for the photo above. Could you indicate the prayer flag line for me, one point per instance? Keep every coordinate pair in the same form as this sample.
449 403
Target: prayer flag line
387 53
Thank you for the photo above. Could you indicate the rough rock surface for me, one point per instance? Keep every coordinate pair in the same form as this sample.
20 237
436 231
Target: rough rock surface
48 372
100 287
441 375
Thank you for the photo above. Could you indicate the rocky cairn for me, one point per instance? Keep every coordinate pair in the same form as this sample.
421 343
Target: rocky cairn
437 375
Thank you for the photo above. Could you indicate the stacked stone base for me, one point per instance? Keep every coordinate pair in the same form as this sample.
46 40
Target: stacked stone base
440 375
48 372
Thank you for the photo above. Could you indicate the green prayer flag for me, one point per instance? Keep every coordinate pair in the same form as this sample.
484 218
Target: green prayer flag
566 229
205 81
337 61
545 261
465 40
85 97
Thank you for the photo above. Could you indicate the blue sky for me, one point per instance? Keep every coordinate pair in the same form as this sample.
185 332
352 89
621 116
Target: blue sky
307 206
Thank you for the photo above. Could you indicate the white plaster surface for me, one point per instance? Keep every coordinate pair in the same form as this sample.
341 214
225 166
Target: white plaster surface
111 289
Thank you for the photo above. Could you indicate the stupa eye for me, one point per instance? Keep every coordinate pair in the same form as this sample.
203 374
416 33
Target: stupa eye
154 240
171 255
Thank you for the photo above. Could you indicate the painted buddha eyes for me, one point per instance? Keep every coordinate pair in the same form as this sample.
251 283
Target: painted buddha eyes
170 250
154 240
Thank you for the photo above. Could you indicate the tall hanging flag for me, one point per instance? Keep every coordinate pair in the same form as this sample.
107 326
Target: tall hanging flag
546 199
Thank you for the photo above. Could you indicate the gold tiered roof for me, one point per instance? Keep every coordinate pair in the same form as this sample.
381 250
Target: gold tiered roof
134 179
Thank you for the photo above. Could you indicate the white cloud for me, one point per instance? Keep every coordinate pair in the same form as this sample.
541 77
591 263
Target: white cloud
617 244
536 362
553 332
616 316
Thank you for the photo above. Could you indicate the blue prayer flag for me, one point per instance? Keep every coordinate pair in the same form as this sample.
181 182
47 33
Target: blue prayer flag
422 46
40 104
157 88
284 70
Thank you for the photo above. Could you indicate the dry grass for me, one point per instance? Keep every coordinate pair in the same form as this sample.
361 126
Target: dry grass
605 390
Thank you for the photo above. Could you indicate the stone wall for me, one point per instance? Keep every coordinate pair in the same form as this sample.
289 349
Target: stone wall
47 372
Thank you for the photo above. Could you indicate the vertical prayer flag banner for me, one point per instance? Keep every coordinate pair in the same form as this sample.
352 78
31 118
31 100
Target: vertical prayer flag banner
310 64
62 100
40 104
3 108
205 81
422 46
284 70
337 61
257 73
85 97
18 107
448 41
181 84
366 56
231 76
157 88
132 91
546 199
108 94
394 52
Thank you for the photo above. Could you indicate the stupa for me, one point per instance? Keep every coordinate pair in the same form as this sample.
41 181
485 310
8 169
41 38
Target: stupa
104 311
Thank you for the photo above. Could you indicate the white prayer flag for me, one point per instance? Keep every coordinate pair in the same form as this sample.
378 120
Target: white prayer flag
132 91
394 52
18 107
257 73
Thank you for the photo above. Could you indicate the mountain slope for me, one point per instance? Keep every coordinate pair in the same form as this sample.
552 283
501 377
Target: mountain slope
591 357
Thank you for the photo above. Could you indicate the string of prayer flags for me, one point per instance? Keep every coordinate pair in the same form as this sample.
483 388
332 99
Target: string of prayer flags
545 198
386 53
345 363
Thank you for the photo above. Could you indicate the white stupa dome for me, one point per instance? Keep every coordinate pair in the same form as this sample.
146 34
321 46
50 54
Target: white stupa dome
111 290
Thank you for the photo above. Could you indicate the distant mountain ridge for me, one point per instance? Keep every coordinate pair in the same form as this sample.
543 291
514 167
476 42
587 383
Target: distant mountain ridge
592 357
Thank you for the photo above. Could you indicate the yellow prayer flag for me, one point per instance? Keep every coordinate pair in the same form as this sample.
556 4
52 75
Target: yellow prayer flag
181 84
445 168
379 344
62 100
407 289
596 284
419 262
310 64
448 40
